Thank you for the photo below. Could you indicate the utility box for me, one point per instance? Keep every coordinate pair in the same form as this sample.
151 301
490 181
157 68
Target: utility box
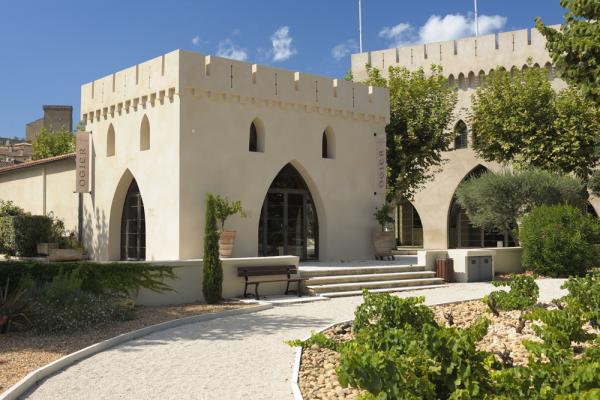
479 269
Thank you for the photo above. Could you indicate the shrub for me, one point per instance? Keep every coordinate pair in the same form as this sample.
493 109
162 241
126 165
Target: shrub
62 306
212 284
9 209
523 294
20 234
14 305
559 327
117 279
384 312
584 294
225 209
559 241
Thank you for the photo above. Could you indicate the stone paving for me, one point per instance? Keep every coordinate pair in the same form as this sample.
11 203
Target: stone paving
238 357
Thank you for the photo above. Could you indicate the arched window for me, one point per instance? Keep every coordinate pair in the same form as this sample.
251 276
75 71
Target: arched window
145 134
256 141
110 141
328 144
461 135
133 226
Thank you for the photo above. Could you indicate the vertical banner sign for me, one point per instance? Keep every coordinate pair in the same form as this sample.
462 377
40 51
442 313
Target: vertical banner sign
82 163
381 164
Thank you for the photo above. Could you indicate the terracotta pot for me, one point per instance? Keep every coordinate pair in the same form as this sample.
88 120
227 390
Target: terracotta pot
226 242
384 243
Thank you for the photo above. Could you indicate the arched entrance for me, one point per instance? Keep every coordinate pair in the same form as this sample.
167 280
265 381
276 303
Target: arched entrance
288 221
133 226
409 227
462 234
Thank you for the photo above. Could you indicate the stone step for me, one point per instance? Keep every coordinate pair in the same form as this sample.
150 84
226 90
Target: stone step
353 286
406 251
310 272
322 280
384 290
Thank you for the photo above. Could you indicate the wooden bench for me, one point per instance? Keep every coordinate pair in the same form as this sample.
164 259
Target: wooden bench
269 270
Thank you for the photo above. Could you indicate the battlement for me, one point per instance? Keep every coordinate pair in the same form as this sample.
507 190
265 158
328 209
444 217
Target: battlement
465 56
182 73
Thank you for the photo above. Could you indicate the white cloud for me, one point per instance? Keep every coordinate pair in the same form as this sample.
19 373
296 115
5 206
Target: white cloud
438 28
228 49
282 44
344 49
398 34
196 41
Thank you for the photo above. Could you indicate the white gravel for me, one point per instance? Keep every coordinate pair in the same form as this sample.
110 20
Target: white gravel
238 357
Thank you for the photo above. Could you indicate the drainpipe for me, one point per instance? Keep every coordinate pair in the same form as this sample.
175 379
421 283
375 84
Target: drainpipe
43 190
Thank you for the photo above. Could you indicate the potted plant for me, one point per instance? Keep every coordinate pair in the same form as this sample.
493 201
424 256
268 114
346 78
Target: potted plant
384 240
224 210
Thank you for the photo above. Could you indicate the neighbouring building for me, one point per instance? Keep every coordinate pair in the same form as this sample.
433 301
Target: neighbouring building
434 220
303 153
14 151
55 118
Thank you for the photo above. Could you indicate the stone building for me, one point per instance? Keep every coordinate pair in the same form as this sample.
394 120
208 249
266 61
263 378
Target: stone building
433 220
55 118
302 152
14 152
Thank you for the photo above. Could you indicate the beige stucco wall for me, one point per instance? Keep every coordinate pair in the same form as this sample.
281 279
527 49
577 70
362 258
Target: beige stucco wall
187 287
200 109
44 189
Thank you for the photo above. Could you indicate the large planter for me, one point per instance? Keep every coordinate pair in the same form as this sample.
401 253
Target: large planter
226 242
44 248
66 255
384 243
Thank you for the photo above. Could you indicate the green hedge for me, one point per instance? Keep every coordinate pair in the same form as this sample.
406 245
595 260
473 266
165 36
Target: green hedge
20 234
100 278
559 241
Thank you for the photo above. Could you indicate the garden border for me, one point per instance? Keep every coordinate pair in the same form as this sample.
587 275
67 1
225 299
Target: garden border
31 379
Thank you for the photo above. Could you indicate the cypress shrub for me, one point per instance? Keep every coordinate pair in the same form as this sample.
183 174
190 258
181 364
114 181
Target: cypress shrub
559 241
212 284
20 234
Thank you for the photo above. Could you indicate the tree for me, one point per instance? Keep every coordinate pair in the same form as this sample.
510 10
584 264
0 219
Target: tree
518 118
575 48
212 283
421 109
51 144
496 201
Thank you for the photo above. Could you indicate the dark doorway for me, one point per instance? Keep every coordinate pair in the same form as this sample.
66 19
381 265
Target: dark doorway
409 226
133 226
288 221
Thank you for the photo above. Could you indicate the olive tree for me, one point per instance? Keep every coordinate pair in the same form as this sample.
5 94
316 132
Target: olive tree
497 201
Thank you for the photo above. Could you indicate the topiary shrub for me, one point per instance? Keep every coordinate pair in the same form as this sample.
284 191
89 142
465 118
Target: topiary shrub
20 234
559 240
212 284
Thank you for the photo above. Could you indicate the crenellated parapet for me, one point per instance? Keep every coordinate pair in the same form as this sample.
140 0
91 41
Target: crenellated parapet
470 56
183 73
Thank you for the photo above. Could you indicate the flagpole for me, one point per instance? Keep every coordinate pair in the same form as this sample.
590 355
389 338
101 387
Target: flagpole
360 25
476 20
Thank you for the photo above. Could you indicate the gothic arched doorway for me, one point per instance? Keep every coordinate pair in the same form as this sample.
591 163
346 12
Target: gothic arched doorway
133 226
288 221
462 234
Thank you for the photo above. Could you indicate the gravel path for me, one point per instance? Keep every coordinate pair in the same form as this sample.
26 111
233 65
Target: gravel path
228 358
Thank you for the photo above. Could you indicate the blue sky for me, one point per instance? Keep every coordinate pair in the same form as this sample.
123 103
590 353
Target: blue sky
49 48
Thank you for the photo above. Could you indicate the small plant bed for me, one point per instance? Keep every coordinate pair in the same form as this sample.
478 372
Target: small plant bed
23 352
505 346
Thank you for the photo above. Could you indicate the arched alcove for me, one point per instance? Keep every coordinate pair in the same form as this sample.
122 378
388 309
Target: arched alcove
451 80
145 134
110 141
461 81
256 139
328 143
461 135
409 227
472 80
288 222
461 233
